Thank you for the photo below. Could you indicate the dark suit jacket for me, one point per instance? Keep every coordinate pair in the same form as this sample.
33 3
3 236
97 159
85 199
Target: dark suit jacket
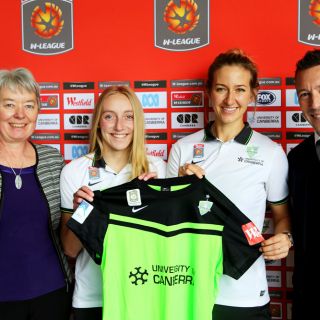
304 186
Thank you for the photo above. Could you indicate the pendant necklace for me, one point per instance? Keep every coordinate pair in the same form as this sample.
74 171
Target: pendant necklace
18 179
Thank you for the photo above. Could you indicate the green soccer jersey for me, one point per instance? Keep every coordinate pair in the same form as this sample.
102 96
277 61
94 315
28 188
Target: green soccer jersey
162 246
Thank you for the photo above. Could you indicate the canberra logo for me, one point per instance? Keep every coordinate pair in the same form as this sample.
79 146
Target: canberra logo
181 18
138 277
47 23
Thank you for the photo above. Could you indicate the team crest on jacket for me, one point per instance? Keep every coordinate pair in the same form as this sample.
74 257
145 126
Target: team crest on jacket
47 26
181 25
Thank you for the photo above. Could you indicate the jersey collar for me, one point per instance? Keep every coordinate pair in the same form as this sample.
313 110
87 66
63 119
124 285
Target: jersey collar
98 163
243 136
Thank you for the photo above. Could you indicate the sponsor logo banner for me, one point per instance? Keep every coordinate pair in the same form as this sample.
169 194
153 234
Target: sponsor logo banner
49 101
274 278
76 136
264 119
296 119
187 120
158 150
105 84
45 136
155 120
49 85
268 98
78 101
272 135
269 81
183 99
292 98
309 22
156 136
181 25
48 122
74 151
276 310
47 27
152 100
187 83
78 85
150 84
179 135
77 121
300 135
290 81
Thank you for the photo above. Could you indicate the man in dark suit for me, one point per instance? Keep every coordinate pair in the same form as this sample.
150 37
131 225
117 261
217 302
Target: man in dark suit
304 186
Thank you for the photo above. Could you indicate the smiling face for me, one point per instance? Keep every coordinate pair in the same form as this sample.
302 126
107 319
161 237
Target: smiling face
308 90
117 123
18 114
231 95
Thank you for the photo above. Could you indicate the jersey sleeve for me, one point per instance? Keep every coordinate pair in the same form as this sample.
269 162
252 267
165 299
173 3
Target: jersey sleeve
67 189
156 164
240 237
238 253
174 161
90 226
277 183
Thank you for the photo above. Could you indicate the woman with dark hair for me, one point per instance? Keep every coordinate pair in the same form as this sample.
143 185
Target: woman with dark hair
248 168
34 273
117 155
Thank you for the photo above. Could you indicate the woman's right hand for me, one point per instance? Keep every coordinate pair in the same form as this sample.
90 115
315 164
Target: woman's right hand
84 193
188 169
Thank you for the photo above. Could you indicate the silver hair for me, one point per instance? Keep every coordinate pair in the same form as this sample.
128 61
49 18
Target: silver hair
18 79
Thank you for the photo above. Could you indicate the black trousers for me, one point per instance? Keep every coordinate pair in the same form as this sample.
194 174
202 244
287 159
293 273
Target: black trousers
241 313
87 313
55 305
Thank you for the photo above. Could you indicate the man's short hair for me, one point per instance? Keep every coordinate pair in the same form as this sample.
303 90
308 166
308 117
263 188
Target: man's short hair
309 60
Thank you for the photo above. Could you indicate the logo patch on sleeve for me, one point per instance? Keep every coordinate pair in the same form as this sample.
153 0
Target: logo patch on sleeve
252 233
82 212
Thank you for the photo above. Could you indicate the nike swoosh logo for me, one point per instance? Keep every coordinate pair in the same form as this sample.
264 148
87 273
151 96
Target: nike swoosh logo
93 183
134 210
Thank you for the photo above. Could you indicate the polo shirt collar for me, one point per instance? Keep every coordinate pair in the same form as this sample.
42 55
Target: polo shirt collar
100 163
242 137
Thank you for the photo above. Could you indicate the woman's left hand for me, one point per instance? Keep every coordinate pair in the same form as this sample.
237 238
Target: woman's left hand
148 175
276 247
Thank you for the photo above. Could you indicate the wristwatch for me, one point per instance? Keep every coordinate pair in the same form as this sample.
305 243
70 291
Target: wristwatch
289 237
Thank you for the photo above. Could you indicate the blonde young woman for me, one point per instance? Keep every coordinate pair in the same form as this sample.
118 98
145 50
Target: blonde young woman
248 168
117 155
34 273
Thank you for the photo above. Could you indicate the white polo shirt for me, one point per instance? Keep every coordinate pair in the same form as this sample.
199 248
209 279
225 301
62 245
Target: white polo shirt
84 171
250 170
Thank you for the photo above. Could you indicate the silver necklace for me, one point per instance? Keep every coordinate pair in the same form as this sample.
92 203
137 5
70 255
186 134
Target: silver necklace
18 179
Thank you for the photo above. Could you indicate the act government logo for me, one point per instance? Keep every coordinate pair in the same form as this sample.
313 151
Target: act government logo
309 22
47 26
181 25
